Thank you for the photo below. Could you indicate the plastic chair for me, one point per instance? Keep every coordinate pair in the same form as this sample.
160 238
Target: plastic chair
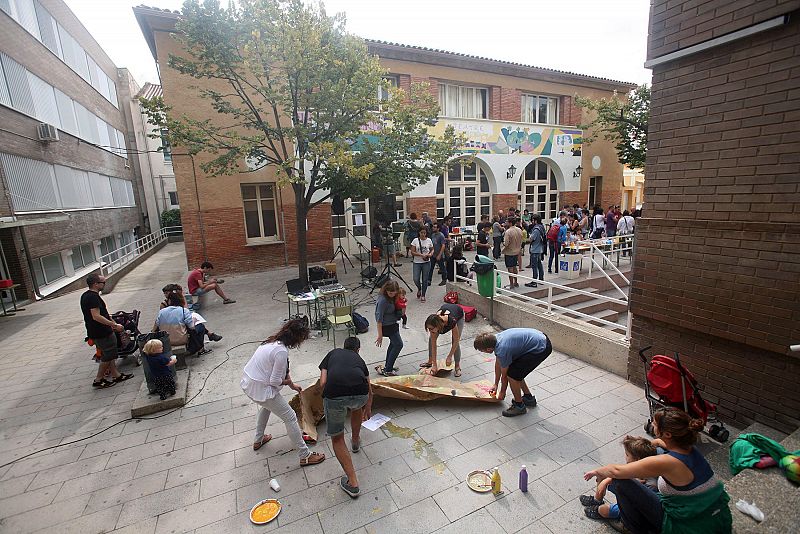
342 315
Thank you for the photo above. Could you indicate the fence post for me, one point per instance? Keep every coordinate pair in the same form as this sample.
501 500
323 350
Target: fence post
549 299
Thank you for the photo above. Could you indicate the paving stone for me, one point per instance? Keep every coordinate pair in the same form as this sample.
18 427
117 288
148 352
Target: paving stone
29 500
562 401
567 421
570 518
203 435
478 435
198 514
426 516
458 501
602 405
95 523
414 419
570 447
598 386
158 503
40 462
568 481
69 471
562 368
479 522
234 478
45 516
330 469
426 483
15 486
175 429
168 460
366 509
126 456
517 508
444 427
424 455
127 491
95 481
380 474
304 503
612 427
525 440
290 483
227 444
200 469
536 463
485 457
388 448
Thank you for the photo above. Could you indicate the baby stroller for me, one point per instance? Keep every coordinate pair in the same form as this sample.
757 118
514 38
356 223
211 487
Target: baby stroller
677 387
126 340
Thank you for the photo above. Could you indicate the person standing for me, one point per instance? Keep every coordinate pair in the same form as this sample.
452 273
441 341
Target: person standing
512 245
412 230
482 245
386 320
439 256
422 251
101 330
583 224
598 223
611 222
449 318
518 351
265 374
198 286
553 247
497 236
537 248
344 379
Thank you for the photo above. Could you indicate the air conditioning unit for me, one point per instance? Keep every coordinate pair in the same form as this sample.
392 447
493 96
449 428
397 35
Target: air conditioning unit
47 132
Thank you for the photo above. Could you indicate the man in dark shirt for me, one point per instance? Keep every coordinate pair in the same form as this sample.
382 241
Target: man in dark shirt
484 248
345 386
439 254
100 329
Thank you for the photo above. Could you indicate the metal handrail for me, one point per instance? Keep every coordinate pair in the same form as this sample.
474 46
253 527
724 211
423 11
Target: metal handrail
126 253
563 309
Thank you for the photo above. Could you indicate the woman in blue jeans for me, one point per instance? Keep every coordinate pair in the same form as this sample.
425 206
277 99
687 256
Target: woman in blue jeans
386 318
422 250
537 248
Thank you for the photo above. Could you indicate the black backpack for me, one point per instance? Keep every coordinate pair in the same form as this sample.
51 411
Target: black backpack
360 322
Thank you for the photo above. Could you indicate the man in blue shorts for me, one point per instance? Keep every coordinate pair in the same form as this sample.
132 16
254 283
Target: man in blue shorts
345 387
518 351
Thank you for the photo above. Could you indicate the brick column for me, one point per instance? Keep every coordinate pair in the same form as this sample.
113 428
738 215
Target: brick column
495 103
503 202
419 205
511 105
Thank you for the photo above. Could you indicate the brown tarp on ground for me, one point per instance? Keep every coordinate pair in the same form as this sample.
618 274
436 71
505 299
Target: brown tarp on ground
308 404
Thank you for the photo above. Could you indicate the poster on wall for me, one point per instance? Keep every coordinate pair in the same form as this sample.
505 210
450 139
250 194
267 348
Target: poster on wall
499 138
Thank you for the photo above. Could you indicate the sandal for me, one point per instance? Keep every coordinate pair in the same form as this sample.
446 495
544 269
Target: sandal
381 371
123 377
313 459
264 440
202 352
103 383
593 513
589 500
425 364
457 372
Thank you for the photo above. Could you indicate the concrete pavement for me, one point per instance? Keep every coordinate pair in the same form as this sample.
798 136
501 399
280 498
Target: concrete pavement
195 470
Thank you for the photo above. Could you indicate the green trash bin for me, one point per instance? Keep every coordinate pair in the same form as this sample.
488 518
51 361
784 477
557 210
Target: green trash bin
484 272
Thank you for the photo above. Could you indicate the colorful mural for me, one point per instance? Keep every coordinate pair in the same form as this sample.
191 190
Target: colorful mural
484 137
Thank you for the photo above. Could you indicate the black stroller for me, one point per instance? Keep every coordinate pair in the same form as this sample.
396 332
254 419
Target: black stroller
126 340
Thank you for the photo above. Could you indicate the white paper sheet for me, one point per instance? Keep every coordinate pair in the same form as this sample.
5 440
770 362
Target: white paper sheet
359 220
376 421
197 319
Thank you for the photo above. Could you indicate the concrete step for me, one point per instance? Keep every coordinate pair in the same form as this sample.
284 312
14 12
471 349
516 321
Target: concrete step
718 454
608 315
147 403
591 306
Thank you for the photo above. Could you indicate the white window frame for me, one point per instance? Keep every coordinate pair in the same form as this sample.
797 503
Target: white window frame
173 198
483 199
39 262
532 177
462 92
535 116
258 199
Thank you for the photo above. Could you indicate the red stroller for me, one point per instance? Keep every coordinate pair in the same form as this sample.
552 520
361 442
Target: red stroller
677 387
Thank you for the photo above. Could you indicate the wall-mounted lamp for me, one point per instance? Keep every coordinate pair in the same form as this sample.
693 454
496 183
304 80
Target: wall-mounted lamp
511 172
577 173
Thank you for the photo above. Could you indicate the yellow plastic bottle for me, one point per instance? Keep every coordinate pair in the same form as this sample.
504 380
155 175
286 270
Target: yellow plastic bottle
496 487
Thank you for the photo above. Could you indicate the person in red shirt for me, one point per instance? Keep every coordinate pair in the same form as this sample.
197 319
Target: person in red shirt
197 284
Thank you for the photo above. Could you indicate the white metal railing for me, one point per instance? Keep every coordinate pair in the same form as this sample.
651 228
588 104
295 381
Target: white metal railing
115 259
553 308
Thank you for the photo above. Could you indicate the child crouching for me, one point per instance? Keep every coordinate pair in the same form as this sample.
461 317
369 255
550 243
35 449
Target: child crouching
160 370
636 448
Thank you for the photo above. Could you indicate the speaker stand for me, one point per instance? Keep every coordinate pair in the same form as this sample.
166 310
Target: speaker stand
388 270
340 251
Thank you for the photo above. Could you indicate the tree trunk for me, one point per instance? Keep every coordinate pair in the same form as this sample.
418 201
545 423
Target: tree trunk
301 211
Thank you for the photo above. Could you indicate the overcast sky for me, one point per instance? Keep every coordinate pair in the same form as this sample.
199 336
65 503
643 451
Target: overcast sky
599 37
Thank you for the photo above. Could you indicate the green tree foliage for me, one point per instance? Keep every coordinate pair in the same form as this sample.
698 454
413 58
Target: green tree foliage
623 121
171 218
299 93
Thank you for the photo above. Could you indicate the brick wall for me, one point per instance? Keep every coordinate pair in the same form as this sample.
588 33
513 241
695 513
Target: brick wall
676 24
511 104
226 244
570 114
572 198
718 255
503 202
419 205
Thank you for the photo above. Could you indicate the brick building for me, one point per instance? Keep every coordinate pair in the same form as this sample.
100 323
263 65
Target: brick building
520 122
717 263
63 203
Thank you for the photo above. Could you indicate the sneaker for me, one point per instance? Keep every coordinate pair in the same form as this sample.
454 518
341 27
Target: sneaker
215 337
228 301
529 401
353 491
531 284
515 410
443 283
405 327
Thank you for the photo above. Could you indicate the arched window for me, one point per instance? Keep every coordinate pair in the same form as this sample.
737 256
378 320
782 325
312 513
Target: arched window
538 190
463 192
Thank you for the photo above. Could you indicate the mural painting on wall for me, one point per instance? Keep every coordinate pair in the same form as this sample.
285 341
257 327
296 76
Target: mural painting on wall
496 138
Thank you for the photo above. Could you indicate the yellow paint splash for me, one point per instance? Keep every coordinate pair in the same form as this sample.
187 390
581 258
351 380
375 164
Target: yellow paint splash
421 448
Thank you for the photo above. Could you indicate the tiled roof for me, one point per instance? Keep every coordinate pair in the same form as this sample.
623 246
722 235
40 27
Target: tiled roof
150 90
500 62
173 12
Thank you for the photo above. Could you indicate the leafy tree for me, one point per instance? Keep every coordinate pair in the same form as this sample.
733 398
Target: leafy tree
301 95
623 121
171 218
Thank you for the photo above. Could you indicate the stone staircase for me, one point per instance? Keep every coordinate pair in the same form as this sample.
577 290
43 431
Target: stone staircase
596 284
778 498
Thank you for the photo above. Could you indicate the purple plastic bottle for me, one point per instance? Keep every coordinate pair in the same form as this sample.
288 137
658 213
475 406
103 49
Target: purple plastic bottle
523 480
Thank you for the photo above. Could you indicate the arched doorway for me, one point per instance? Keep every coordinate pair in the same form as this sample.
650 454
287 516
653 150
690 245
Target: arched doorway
464 193
538 189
